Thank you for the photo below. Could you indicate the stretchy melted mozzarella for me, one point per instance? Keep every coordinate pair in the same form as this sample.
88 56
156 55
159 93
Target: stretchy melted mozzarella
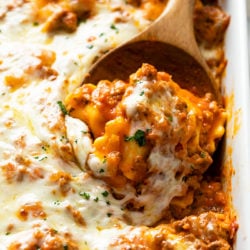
114 166
152 140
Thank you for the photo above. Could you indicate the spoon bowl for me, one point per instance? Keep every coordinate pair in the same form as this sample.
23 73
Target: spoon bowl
168 44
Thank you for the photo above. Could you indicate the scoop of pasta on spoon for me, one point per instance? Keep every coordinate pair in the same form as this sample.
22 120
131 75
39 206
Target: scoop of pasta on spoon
149 139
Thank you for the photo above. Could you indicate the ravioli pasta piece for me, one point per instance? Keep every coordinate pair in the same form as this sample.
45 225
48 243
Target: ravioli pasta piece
152 140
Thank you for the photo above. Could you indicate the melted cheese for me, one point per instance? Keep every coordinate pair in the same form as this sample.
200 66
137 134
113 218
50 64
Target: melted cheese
38 70
48 191
172 133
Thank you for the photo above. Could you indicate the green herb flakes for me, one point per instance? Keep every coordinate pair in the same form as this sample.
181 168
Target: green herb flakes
139 137
85 195
105 193
62 107
57 202
170 118
90 46
113 27
203 154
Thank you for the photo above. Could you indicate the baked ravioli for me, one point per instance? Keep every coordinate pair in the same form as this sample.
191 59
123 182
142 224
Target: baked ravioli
123 164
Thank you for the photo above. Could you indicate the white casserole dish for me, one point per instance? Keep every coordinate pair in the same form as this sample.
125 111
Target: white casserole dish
238 136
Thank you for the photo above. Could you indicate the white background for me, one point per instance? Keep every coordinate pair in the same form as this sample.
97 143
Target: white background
248 14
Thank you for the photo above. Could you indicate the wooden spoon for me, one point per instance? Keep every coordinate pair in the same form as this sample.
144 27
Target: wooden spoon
169 44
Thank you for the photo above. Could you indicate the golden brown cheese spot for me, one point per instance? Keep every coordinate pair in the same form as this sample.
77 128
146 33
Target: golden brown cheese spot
15 246
61 14
18 172
64 149
62 179
37 65
32 209
14 81
45 239
76 215
12 5
9 229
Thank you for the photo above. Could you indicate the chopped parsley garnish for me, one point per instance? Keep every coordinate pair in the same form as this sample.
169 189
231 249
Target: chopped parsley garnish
105 193
90 46
57 202
85 195
203 154
45 147
113 27
142 93
139 137
96 199
109 214
170 118
101 170
40 158
62 107
63 139
43 158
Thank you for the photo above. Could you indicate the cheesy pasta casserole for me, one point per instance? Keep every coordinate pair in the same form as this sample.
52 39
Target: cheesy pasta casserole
114 164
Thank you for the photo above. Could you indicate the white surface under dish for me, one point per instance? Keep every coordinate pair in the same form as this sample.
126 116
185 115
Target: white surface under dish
248 25
238 127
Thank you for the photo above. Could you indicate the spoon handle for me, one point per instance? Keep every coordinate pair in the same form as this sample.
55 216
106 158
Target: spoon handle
175 27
